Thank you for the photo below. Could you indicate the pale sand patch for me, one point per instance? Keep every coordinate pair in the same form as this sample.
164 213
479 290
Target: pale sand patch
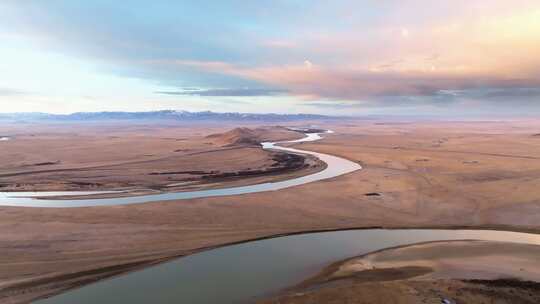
455 260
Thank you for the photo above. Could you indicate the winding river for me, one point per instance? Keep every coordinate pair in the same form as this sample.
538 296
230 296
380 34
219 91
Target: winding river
244 272
335 166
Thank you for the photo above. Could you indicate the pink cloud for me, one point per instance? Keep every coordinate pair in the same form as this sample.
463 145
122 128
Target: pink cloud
488 44
317 81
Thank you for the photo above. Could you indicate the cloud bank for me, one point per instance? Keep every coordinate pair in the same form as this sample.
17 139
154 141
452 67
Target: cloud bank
364 53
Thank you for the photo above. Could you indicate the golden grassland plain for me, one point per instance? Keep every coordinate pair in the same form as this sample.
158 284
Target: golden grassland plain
416 174
137 158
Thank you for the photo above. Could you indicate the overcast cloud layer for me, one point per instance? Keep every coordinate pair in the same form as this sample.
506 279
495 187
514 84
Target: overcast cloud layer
476 57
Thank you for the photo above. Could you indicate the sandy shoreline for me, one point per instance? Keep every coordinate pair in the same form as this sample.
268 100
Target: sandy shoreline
466 271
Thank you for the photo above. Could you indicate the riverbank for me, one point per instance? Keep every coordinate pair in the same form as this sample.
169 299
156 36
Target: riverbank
456 271
143 159
36 287
294 159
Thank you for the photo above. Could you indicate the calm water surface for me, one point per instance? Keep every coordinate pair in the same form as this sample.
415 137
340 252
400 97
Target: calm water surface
242 273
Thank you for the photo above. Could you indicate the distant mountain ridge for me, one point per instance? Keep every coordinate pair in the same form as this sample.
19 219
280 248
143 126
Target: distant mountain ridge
157 115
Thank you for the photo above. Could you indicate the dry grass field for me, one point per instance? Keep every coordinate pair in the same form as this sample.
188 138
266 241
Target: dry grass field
416 174
133 157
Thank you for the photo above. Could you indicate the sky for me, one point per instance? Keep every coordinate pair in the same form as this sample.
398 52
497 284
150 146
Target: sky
390 57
